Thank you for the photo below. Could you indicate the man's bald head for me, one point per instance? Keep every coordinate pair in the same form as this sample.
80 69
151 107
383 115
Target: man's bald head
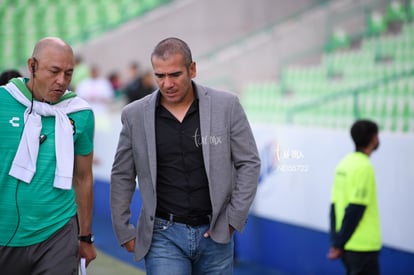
51 67
51 42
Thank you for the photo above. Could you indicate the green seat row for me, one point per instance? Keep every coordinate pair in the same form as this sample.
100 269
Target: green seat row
23 22
346 85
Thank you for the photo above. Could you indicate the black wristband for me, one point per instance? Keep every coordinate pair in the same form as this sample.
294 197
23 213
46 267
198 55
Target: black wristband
87 239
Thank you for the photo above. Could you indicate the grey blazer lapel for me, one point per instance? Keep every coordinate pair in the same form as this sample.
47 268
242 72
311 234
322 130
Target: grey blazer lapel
149 124
205 124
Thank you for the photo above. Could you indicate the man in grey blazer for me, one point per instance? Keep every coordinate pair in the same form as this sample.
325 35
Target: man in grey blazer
196 160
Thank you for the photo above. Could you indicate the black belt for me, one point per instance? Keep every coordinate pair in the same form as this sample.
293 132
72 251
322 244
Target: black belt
193 221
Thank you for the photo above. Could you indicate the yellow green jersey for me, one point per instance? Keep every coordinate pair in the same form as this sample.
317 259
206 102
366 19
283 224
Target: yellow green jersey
354 183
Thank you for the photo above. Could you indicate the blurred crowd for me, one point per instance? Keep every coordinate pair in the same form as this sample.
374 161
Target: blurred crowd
101 91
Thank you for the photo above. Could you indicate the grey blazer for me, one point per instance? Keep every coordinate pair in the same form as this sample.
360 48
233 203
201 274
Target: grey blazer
230 156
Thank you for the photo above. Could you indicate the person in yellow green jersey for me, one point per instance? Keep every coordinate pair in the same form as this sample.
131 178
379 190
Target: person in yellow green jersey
354 218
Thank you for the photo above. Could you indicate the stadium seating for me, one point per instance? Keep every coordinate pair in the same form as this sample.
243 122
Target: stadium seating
374 81
339 39
410 10
24 22
396 12
377 24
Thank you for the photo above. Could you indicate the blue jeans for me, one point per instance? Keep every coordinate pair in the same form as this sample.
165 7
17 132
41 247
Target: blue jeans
182 249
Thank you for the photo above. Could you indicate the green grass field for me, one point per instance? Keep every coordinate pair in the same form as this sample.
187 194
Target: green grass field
106 265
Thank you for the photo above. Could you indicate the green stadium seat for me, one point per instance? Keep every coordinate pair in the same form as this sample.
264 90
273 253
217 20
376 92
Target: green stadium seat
134 9
396 12
40 21
365 104
61 20
114 14
150 4
339 40
376 24
72 29
410 10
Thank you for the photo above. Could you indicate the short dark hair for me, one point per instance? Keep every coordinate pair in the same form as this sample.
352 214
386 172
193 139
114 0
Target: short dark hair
362 132
170 46
7 75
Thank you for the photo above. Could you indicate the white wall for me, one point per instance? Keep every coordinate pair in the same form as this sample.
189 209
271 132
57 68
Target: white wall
297 186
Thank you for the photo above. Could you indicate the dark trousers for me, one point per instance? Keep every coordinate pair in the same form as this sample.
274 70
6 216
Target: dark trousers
361 263
56 255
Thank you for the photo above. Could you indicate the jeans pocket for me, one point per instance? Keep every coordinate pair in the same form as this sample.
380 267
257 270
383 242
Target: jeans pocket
161 224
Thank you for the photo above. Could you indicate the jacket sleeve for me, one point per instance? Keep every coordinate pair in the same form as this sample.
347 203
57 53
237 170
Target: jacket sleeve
246 161
123 186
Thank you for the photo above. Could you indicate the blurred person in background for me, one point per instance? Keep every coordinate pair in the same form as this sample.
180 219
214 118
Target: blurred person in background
7 75
147 84
139 85
354 219
46 180
80 72
197 164
116 84
97 91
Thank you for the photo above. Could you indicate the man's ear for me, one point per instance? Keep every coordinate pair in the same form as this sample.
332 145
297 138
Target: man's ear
32 65
193 70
